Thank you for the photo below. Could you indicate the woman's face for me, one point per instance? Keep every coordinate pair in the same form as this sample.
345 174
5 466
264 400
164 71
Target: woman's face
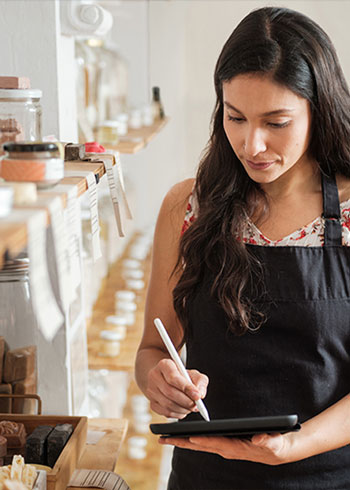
267 125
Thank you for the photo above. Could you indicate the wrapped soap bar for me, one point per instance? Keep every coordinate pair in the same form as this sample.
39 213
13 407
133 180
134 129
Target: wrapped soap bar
3 446
56 442
14 432
36 445
5 403
24 387
19 364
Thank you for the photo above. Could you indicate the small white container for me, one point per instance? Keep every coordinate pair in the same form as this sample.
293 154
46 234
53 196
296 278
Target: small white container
135 120
124 295
147 115
126 306
116 320
133 274
141 422
136 447
131 264
128 315
136 284
110 343
139 403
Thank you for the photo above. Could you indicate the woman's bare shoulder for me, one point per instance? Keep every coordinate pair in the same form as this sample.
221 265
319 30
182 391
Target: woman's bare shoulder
172 212
343 183
181 191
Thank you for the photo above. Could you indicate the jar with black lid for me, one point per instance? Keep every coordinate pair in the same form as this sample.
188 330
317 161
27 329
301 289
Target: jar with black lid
37 162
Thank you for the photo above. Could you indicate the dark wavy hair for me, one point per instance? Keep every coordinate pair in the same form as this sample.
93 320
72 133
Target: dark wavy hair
295 52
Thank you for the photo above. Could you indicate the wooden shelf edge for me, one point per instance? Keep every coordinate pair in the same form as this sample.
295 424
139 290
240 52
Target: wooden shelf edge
137 139
13 236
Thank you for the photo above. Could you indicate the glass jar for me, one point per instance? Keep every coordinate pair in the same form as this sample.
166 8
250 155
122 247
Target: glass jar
20 115
38 162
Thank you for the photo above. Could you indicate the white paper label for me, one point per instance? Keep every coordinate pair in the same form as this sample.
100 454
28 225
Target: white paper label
73 227
98 479
112 164
95 223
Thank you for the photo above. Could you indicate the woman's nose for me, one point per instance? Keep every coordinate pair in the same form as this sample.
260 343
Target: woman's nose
255 142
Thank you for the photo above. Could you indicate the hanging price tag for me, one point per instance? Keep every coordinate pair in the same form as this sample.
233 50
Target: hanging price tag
112 164
73 227
95 224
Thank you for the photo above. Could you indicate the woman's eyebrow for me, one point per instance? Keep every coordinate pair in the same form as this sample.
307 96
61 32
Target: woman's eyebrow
269 113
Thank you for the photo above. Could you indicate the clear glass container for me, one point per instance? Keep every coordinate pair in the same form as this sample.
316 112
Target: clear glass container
20 115
38 162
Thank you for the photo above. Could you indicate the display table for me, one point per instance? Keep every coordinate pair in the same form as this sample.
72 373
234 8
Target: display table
104 454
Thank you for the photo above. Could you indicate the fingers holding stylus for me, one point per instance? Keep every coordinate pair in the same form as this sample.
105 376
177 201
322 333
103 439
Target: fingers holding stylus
171 393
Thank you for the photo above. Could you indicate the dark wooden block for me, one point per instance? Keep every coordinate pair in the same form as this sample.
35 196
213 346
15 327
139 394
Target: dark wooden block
56 442
36 445
74 151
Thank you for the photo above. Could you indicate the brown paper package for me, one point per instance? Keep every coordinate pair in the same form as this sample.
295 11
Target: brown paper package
19 364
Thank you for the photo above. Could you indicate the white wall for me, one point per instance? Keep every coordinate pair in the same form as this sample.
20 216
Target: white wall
31 46
192 32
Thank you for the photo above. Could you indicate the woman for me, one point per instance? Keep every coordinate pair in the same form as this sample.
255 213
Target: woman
258 284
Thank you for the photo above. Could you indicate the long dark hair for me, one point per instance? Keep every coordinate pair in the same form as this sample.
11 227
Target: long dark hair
295 52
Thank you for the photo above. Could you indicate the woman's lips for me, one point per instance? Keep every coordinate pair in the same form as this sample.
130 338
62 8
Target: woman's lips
259 165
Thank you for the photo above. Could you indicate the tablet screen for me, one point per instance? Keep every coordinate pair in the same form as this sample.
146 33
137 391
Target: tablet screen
237 427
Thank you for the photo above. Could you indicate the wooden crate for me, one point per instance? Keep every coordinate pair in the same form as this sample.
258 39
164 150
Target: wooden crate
60 474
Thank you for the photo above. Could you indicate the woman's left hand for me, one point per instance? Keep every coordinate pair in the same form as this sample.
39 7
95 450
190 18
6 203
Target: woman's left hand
271 449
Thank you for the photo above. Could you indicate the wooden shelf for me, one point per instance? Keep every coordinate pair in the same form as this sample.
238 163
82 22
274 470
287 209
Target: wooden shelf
13 236
104 454
137 139
104 307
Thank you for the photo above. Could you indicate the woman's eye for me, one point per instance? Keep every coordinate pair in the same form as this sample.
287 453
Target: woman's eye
235 119
279 125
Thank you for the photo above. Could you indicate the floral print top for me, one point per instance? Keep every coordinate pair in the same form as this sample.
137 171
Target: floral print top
311 235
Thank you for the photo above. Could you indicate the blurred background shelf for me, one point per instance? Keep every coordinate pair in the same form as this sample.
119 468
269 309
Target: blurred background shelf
137 139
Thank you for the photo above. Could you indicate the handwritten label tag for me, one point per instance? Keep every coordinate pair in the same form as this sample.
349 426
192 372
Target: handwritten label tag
112 164
98 479
73 227
93 200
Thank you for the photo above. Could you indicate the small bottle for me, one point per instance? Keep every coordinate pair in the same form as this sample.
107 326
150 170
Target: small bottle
157 106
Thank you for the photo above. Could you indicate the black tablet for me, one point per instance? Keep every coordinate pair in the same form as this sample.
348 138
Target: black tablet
239 427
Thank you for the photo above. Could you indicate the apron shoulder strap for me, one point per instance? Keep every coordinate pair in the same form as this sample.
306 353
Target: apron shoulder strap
331 212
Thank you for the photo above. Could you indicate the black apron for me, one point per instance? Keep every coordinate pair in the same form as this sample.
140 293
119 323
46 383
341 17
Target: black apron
297 362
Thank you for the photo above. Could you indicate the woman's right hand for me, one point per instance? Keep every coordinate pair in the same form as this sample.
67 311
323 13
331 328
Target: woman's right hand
170 393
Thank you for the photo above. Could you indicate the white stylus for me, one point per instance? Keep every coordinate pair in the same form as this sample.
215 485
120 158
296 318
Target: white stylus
176 358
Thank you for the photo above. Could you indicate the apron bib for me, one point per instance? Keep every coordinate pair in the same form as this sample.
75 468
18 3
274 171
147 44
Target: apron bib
297 362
